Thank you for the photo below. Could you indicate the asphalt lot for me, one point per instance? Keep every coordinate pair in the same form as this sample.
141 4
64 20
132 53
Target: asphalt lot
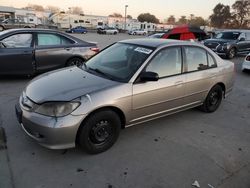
170 152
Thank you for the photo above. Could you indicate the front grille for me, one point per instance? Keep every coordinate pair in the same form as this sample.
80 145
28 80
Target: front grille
212 45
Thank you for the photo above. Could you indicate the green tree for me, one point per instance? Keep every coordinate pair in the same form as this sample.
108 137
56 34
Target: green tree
147 17
171 20
129 17
198 21
221 16
241 13
182 20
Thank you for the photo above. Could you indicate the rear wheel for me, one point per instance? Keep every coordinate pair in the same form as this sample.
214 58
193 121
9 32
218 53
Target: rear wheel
115 33
213 99
1 28
99 132
75 62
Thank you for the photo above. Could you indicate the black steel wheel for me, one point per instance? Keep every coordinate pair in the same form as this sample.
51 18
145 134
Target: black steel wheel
213 99
99 132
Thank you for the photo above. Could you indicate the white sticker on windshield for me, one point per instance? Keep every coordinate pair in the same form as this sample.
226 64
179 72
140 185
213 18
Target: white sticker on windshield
143 50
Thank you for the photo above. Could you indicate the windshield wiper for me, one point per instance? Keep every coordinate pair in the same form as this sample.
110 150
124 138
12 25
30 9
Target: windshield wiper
102 73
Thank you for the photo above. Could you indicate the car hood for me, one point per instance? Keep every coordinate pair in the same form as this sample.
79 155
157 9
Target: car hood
220 41
65 85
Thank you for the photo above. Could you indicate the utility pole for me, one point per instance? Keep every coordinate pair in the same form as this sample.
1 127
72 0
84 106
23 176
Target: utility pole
125 24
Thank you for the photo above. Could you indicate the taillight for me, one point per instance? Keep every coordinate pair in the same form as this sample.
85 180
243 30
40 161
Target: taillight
95 49
248 58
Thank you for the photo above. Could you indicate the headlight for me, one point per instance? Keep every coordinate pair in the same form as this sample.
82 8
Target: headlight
57 109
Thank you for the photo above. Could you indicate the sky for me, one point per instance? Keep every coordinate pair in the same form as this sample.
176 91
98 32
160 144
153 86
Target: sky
162 9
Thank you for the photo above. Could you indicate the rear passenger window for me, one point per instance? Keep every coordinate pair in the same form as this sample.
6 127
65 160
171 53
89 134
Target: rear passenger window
52 39
211 62
196 59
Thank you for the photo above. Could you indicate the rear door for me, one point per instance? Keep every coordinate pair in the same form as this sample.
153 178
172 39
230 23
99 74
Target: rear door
17 57
200 70
52 51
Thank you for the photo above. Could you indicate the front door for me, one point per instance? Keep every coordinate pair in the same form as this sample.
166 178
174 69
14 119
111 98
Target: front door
153 99
17 54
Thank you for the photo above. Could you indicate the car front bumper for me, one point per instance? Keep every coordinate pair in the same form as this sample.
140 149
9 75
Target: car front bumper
246 65
50 132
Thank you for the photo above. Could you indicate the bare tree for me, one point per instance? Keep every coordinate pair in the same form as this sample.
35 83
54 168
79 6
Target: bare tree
171 19
53 9
117 15
35 7
75 10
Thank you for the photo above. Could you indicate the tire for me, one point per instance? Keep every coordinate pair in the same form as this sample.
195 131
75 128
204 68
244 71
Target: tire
134 33
232 53
99 132
26 26
1 28
75 61
144 34
115 33
213 100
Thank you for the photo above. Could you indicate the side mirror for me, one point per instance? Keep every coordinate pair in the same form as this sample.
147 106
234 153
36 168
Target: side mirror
242 39
149 76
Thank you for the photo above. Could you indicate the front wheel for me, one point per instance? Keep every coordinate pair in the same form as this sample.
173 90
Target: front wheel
232 53
99 132
213 99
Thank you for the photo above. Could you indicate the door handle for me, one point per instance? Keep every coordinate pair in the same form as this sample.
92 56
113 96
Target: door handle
68 49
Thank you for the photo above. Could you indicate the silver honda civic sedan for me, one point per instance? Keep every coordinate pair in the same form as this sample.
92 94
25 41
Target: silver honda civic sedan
129 82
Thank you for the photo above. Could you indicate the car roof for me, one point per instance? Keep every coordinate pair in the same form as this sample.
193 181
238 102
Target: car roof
155 43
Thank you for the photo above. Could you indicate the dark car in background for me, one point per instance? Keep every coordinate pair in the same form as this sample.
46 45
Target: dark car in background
229 43
78 29
31 51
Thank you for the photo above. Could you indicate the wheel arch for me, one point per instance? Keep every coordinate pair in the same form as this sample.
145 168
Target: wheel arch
117 110
223 87
75 56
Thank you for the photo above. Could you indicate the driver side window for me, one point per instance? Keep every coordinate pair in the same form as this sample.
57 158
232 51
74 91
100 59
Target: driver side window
22 40
167 62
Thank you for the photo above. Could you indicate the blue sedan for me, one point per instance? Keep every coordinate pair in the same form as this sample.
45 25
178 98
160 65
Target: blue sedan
78 29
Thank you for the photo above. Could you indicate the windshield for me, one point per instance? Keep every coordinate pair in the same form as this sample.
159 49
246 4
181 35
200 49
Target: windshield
228 35
119 62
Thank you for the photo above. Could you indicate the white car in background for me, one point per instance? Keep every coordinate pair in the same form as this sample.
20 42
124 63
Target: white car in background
138 32
111 31
246 63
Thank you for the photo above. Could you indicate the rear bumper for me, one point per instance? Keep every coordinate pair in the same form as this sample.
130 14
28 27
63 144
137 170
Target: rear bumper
50 132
